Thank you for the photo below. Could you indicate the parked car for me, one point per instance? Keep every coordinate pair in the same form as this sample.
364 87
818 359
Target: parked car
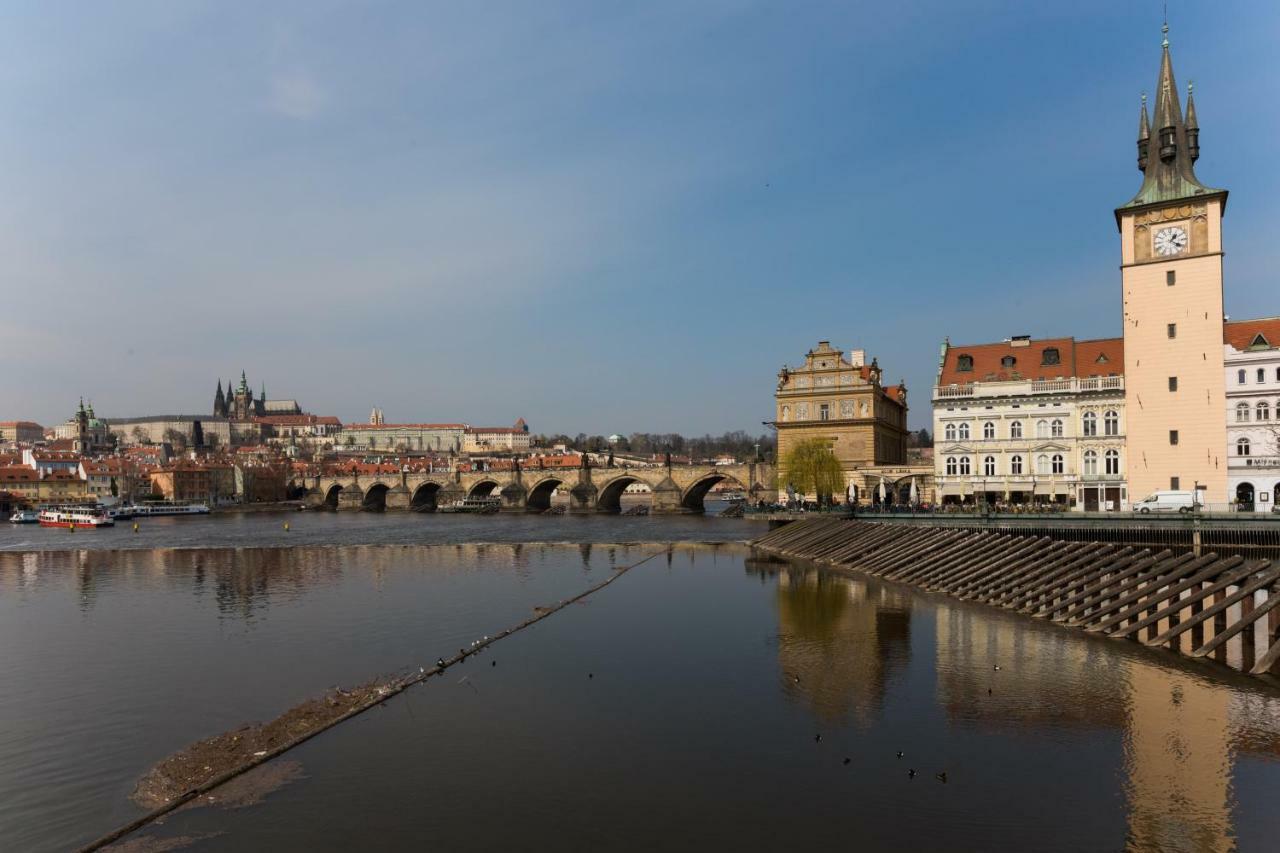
1166 502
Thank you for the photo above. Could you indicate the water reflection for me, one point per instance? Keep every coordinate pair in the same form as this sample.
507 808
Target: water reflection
840 641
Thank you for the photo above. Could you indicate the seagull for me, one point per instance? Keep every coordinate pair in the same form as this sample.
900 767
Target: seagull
440 662
997 667
899 753
911 773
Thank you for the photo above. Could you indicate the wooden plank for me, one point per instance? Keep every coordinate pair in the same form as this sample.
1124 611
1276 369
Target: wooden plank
1050 585
1098 589
1135 587
1226 577
1041 578
1068 586
1193 573
1268 660
1209 612
1220 638
893 556
1073 552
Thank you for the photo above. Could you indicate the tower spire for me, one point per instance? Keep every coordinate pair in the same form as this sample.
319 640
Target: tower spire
1144 135
1168 173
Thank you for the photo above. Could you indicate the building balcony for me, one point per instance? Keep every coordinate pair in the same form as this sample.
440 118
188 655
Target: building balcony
1029 387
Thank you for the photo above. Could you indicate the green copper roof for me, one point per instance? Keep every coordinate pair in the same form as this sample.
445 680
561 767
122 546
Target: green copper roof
1170 177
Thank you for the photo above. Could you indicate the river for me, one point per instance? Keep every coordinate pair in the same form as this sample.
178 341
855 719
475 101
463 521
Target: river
708 699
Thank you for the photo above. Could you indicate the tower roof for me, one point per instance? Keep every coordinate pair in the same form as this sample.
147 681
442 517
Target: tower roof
1169 174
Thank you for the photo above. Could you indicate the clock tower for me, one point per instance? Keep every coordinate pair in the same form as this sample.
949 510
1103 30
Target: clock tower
1171 278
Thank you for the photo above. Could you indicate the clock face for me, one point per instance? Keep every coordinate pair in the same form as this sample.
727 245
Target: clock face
1170 241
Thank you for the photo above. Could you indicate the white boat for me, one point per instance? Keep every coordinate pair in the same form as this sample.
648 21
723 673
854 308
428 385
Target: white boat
151 508
117 513
74 517
25 516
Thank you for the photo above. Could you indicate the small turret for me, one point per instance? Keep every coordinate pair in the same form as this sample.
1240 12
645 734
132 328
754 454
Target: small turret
1144 135
1192 126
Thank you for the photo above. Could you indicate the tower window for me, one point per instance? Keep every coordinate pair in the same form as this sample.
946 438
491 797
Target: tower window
1173 436
964 363
1050 356
1173 330
1173 383
1170 278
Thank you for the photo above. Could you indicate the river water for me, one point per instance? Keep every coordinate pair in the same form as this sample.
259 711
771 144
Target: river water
679 708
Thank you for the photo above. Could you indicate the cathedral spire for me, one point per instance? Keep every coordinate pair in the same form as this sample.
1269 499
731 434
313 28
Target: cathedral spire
1168 174
219 403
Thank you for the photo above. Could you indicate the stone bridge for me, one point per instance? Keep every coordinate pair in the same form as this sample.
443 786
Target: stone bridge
675 488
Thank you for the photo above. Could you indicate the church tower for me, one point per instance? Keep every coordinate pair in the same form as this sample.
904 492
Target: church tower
1171 278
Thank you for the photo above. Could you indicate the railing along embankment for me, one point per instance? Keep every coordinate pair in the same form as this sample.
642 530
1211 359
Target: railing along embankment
1201 606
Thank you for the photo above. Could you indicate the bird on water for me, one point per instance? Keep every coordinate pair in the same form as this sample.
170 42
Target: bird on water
911 773
817 738
941 777
899 753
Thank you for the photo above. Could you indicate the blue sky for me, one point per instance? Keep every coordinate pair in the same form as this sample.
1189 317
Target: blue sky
598 216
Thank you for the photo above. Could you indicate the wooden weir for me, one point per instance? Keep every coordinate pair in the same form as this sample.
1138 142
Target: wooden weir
1223 608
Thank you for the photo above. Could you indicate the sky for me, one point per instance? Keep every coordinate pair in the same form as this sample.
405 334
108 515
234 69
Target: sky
601 217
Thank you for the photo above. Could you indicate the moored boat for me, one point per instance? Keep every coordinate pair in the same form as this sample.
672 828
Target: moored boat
25 516
74 517
150 508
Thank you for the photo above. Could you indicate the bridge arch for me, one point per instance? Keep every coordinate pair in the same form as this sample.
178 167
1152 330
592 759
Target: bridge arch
610 494
331 495
694 497
483 489
375 498
425 497
539 499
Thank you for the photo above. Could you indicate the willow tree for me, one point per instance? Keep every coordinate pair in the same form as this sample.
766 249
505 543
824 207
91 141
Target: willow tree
811 467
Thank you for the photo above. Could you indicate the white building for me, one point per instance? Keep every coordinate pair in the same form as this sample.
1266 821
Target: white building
1252 357
1025 421
512 439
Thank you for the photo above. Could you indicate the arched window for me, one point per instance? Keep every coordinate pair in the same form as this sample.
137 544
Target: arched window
1111 422
989 466
989 429
1042 464
1057 463
1242 413
1015 465
964 363
1242 447
1015 429
1091 461
1056 427
1113 462
951 465
1089 424
1264 412
964 466
964 432
950 432
1042 429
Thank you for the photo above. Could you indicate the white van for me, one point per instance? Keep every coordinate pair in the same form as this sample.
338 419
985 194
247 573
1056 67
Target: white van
1166 502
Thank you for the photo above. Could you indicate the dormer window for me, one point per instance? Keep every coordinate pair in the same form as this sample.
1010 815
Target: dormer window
964 364
1102 358
1008 361
1050 356
1260 342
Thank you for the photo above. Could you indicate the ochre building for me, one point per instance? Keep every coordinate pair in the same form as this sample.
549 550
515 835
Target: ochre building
842 401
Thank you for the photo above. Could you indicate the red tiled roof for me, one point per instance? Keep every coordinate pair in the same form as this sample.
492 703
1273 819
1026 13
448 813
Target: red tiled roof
13 475
1103 357
23 424
404 426
1242 333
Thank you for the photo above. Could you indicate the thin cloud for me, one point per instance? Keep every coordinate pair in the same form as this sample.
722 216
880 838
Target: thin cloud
296 94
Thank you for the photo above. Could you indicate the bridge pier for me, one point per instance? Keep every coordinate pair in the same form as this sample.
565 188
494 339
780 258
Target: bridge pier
398 498
668 499
351 498
513 497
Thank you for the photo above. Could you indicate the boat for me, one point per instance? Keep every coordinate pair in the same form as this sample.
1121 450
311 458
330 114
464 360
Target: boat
118 513
74 517
25 516
151 508
483 505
